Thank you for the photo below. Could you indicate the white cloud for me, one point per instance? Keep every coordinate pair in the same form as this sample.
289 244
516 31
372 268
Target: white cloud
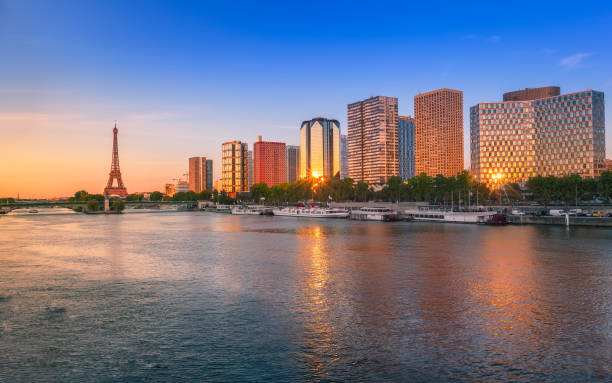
494 39
574 60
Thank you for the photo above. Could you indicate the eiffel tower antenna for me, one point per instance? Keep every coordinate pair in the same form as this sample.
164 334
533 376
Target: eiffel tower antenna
115 173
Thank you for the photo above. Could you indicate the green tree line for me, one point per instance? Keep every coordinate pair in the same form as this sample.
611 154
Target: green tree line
439 189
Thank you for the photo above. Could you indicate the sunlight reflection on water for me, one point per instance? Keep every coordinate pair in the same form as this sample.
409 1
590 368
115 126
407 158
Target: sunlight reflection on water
197 296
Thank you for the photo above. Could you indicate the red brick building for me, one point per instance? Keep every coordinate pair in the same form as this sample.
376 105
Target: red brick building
269 162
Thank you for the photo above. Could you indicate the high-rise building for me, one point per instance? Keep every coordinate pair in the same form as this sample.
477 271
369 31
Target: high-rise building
512 141
293 163
200 174
270 162
343 156
250 167
438 133
372 140
608 164
405 139
234 167
532 93
320 148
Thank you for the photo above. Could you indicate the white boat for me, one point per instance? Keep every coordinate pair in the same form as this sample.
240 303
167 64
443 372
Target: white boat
374 214
450 216
313 212
247 210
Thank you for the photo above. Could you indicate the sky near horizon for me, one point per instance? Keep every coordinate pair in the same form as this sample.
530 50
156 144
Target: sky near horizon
183 77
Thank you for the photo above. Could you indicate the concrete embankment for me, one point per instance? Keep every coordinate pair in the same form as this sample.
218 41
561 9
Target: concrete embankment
559 220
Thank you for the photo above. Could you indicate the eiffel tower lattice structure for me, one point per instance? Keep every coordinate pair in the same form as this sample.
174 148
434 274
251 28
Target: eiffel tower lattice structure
115 174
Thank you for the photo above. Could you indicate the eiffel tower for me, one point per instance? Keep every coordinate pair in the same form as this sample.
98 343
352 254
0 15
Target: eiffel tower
115 174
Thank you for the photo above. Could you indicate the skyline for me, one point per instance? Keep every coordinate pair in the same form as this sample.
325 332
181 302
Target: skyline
181 82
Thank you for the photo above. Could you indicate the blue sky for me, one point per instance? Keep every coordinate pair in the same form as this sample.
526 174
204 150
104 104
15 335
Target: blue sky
182 77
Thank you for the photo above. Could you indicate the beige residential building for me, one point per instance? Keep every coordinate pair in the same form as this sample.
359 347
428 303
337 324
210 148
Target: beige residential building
234 167
372 140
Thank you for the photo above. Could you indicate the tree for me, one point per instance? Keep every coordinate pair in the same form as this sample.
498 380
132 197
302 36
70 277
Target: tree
117 204
204 195
362 192
260 190
568 188
93 205
279 193
98 197
133 197
542 189
156 196
422 187
393 190
80 196
225 199
604 184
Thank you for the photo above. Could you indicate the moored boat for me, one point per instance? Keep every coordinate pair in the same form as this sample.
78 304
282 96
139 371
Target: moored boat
450 216
247 210
374 214
313 212
497 219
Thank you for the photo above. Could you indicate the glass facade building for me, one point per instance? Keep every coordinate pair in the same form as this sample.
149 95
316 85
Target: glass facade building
234 167
372 140
405 139
553 136
200 174
250 168
343 156
320 148
293 163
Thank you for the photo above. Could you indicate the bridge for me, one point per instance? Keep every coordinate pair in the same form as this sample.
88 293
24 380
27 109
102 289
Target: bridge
74 204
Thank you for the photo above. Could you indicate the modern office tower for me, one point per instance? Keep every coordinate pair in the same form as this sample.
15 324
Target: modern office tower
532 93
169 189
250 168
270 162
343 156
372 140
405 142
512 141
234 167
200 174
608 165
209 175
293 163
320 148
438 144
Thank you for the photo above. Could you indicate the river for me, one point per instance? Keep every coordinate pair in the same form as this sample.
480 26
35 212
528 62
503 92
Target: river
220 298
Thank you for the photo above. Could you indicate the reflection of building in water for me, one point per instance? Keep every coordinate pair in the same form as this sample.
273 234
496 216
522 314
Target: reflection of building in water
320 337
347 292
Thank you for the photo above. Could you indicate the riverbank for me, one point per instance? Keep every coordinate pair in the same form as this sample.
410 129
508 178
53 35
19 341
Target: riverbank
559 220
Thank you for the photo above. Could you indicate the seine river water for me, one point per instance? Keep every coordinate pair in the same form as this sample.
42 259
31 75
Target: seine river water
221 298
